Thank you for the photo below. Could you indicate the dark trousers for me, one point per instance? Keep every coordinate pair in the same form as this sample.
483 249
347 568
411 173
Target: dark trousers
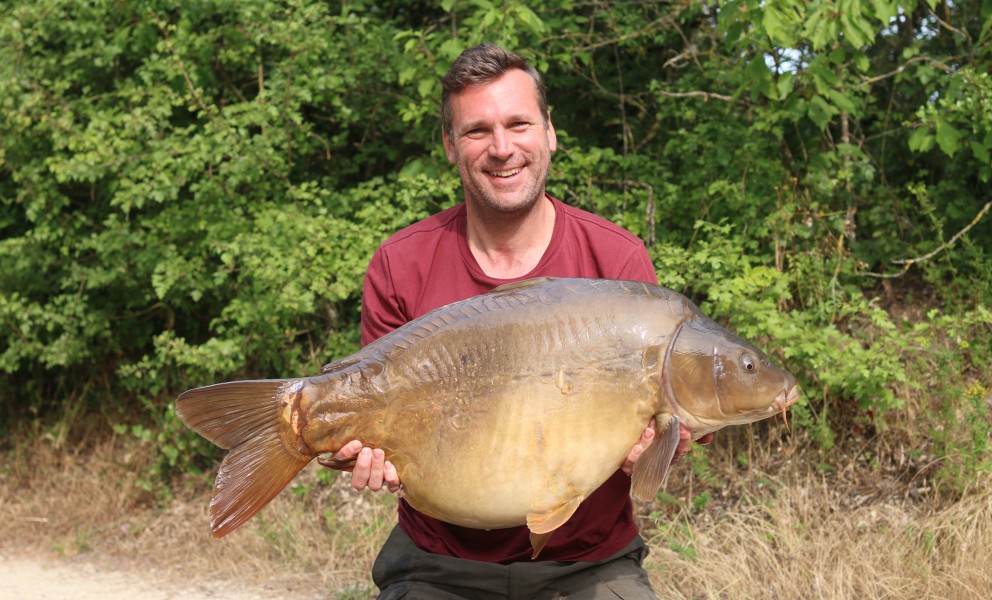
403 570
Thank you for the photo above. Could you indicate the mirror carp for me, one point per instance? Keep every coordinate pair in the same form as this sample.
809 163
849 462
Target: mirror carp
504 409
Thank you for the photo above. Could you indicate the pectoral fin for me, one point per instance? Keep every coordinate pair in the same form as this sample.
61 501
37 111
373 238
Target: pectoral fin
651 468
542 525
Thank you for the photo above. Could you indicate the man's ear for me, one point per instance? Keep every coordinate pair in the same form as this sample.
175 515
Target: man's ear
449 147
552 136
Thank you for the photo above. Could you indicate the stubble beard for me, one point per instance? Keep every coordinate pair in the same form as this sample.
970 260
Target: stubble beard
501 207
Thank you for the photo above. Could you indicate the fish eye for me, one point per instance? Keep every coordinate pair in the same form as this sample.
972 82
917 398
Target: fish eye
748 362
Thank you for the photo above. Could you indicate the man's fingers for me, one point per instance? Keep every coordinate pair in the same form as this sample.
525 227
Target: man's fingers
685 441
628 464
369 467
343 459
647 436
348 451
391 477
376 468
363 469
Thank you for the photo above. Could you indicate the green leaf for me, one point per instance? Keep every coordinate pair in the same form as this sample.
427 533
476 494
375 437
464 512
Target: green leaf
858 30
885 10
948 138
981 151
530 19
861 62
842 101
426 87
820 112
784 85
760 77
779 21
823 74
921 140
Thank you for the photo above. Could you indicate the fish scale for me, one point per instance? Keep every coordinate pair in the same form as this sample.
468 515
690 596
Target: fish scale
543 385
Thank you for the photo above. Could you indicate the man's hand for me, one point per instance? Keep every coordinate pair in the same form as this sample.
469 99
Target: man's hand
371 469
647 437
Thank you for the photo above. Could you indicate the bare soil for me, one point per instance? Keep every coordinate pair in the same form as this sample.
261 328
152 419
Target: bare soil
95 578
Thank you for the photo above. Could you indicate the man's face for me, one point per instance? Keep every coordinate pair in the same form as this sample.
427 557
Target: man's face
500 143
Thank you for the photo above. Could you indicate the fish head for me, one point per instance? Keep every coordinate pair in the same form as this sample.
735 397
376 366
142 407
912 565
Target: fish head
716 379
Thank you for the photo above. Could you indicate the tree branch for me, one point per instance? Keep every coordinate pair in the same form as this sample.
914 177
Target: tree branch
704 95
909 262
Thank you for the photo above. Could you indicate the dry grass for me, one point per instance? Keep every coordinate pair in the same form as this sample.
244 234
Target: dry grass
75 505
780 528
812 539
869 526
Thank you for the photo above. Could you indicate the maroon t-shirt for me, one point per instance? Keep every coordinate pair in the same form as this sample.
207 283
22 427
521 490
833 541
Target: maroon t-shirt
428 265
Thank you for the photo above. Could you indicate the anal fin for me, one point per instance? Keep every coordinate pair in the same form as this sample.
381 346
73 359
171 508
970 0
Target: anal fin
537 542
542 525
651 468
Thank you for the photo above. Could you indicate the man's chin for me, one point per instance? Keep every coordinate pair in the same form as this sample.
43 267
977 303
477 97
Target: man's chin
509 206
509 201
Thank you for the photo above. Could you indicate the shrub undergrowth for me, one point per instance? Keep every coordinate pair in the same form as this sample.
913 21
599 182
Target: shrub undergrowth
189 195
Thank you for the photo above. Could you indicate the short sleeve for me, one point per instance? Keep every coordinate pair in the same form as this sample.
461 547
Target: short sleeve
381 311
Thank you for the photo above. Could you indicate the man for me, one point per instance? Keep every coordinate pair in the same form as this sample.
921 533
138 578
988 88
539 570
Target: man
497 129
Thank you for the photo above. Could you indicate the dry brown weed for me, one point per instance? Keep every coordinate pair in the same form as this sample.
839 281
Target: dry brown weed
780 526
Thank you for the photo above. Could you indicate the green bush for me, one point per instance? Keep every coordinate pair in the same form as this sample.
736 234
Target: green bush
190 191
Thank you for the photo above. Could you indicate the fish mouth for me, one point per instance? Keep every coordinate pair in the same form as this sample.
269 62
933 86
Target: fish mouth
791 397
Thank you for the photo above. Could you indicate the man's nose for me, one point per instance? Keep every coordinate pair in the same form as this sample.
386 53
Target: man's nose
500 146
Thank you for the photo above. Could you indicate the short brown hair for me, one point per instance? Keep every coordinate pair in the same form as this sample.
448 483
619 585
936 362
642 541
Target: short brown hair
479 65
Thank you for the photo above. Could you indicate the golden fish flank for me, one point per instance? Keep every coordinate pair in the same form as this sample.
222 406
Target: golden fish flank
545 384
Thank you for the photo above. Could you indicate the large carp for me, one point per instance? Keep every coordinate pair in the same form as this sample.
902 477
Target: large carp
543 385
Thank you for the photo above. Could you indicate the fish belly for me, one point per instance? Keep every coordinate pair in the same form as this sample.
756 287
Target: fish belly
527 449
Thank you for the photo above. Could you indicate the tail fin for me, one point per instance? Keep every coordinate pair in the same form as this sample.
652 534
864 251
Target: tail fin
242 416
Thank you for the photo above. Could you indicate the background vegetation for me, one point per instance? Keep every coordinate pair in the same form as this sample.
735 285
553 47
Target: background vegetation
190 192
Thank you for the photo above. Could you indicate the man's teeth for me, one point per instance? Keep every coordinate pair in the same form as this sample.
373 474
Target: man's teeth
507 173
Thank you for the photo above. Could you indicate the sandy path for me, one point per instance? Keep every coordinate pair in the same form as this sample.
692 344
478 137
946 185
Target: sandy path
65 579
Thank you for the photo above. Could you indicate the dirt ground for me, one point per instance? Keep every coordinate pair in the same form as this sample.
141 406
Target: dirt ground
49 579
93 578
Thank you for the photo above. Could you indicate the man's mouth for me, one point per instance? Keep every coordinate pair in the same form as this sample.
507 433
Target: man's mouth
506 172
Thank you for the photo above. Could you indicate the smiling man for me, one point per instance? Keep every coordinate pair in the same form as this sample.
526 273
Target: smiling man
502 140
498 131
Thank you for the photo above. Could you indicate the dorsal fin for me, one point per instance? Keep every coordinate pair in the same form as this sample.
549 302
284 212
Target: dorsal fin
340 364
526 283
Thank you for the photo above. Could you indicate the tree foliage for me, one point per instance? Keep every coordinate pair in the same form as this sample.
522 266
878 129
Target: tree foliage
191 190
